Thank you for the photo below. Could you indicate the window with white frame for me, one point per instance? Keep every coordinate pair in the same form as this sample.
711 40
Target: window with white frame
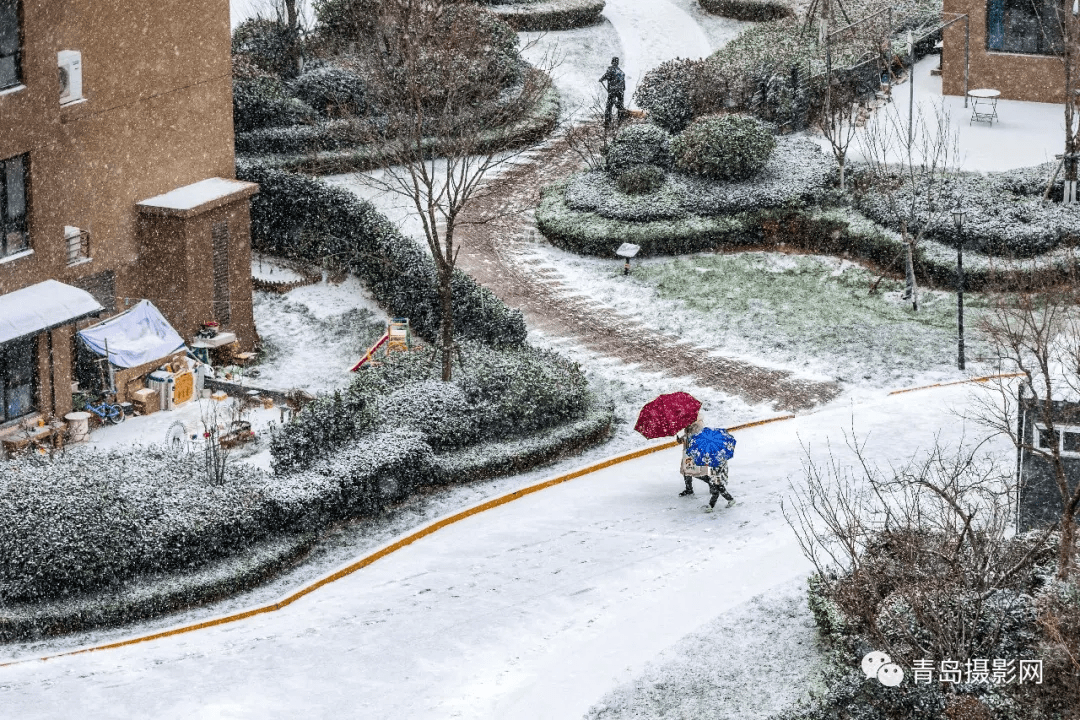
1065 437
10 44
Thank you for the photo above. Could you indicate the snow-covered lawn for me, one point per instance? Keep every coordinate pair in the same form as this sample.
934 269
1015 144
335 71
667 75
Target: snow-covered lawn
809 314
537 609
312 335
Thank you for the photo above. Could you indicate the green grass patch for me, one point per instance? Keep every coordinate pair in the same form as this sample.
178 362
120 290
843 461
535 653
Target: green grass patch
796 308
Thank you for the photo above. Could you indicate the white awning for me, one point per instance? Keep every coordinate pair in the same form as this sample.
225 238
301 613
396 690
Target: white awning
42 307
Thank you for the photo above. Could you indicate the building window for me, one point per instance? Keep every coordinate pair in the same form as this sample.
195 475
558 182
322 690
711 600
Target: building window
1067 439
13 235
17 379
10 44
219 232
1024 26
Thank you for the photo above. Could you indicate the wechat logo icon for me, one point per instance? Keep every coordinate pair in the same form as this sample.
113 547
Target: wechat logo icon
879 665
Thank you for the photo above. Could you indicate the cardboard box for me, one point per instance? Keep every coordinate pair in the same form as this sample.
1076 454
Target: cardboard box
147 400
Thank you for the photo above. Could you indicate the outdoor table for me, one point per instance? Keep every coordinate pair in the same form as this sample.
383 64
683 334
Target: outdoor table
984 105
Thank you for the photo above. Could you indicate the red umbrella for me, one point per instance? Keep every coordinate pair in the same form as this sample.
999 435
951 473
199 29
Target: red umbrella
667 415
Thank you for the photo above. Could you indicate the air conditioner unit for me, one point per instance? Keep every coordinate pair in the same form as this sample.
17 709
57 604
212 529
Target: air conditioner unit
70 63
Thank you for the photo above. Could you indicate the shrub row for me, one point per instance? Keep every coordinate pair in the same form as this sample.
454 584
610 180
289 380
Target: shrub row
797 173
723 147
835 231
155 514
550 15
752 10
153 595
1005 213
303 218
337 146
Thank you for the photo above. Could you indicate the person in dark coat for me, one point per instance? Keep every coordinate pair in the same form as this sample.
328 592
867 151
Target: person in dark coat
615 82
716 477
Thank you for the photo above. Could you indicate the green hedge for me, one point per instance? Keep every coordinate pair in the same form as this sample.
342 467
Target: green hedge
552 15
834 231
752 10
337 146
304 218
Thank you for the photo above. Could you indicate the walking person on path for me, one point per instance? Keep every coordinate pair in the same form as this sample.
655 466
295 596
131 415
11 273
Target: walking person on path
717 477
614 80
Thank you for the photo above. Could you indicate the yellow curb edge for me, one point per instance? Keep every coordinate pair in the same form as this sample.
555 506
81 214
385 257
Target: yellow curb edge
393 547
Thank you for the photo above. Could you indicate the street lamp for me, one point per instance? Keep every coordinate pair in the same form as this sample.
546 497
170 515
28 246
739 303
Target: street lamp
958 220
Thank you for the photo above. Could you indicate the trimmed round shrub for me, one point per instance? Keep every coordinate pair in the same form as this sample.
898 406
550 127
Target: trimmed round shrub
640 179
723 147
639 144
261 102
265 42
675 92
332 90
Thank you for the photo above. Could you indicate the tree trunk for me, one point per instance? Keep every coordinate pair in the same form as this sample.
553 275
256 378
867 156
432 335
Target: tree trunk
840 160
293 50
1065 549
446 319
911 290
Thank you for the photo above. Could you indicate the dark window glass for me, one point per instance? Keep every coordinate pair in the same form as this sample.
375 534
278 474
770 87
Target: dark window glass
13 227
1024 26
1071 441
17 379
9 43
1048 439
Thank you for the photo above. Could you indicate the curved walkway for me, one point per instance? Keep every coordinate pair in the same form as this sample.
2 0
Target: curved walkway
533 610
488 250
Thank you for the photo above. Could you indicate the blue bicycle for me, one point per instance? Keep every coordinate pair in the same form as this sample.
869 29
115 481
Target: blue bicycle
107 411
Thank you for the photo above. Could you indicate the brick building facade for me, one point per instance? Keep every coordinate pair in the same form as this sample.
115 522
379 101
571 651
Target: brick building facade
118 183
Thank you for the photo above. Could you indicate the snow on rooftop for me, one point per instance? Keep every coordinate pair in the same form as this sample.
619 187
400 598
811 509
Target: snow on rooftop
42 306
197 194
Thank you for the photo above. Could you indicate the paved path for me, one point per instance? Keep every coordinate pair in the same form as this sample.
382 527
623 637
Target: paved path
532 610
489 252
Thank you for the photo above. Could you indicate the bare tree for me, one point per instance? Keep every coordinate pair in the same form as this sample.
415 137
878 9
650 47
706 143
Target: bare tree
917 555
839 121
910 170
589 138
451 89
1037 334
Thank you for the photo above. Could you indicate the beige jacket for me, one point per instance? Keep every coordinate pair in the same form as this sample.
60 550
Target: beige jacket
687 466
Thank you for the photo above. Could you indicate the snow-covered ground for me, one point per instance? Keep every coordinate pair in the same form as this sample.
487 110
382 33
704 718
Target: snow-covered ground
536 609
1026 133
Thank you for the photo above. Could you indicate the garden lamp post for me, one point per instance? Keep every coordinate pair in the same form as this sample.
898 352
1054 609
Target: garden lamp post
958 219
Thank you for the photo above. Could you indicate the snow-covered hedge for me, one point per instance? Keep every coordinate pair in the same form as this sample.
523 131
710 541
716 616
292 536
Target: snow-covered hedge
544 15
303 218
753 10
796 173
261 102
495 394
638 144
338 146
838 231
92 519
723 147
1005 213
332 90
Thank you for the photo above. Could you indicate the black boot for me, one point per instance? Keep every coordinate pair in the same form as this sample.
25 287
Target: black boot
689 486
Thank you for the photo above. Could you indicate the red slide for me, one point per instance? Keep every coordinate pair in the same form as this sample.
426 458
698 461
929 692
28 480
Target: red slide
368 355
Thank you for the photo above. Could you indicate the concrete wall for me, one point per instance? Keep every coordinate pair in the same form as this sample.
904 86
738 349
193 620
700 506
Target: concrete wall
1034 78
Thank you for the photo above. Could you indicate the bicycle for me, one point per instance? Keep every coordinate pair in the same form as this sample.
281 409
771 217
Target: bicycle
106 411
